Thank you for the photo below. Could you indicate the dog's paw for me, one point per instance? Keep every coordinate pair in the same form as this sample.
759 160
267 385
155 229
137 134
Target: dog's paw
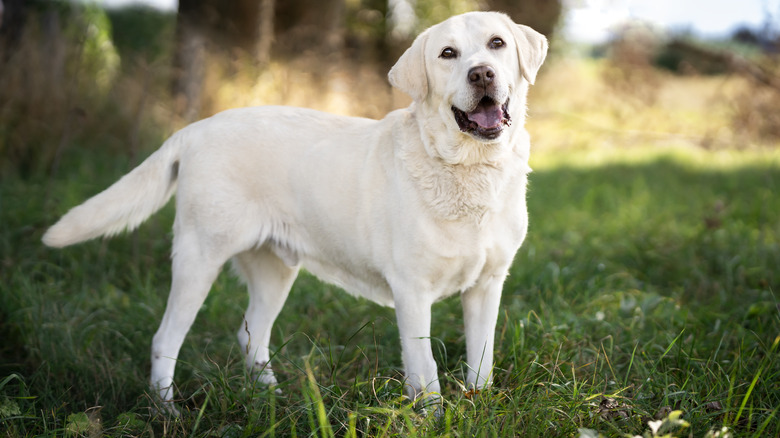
436 410
430 404
270 386
264 376
166 408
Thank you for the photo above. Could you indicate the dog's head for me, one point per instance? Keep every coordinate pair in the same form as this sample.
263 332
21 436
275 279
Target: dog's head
471 72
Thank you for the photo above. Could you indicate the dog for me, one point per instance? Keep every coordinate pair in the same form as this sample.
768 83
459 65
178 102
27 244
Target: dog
427 202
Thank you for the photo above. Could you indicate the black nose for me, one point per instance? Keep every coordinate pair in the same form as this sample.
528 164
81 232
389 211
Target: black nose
481 76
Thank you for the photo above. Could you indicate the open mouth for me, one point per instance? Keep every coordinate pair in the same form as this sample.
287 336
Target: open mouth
486 120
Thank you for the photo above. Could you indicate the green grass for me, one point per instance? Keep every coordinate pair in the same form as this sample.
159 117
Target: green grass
648 280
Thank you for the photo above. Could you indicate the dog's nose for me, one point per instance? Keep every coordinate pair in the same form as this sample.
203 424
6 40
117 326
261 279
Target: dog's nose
481 76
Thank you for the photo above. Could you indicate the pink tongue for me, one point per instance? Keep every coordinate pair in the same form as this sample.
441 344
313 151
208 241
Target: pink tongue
487 116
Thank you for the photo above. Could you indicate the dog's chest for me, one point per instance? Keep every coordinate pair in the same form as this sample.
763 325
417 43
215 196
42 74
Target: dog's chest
455 256
475 223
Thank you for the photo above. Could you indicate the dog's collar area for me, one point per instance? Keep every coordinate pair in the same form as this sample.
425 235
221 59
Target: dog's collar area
486 120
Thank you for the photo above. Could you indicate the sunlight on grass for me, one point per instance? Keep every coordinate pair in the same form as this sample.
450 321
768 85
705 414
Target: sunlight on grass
574 107
692 158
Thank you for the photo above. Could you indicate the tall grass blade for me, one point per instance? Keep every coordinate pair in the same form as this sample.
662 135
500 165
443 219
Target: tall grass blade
326 431
200 414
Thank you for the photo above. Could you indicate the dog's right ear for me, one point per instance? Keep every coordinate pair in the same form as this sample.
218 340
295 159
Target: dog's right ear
409 74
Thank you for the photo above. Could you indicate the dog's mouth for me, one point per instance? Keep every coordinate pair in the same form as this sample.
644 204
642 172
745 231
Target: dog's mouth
486 120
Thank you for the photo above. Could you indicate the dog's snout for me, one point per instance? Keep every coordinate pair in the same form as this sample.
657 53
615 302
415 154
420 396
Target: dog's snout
481 76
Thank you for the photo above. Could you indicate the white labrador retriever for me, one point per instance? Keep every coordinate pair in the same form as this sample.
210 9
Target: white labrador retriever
407 210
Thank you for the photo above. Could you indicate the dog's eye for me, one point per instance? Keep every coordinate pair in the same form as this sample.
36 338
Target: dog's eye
496 43
448 53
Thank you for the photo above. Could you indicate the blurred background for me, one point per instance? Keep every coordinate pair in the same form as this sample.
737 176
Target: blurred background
120 75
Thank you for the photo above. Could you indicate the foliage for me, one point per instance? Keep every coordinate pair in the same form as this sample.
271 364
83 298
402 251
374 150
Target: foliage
65 62
142 31
430 12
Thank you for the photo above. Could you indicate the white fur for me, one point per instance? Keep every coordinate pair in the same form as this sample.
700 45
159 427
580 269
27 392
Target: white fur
404 211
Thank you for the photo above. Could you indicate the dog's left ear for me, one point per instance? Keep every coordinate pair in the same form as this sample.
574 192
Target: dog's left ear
531 50
409 74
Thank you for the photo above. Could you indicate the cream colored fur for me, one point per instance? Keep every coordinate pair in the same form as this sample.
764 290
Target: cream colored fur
404 211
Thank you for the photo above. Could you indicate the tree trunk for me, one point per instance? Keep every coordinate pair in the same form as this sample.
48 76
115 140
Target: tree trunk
190 57
265 36
189 72
542 15
13 16
314 27
226 30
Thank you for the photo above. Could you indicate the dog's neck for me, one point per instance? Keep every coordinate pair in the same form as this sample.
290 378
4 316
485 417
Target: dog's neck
467 190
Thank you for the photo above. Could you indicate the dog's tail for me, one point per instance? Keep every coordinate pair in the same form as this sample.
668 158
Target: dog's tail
127 203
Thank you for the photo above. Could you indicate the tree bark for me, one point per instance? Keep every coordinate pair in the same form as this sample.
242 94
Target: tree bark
542 15
13 17
190 57
224 29
314 27
265 31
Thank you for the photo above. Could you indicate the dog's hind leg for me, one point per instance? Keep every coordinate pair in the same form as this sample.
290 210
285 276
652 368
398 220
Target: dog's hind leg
193 270
269 281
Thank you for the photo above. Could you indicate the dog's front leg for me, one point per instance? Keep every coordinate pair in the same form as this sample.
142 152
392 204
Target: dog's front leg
414 326
480 312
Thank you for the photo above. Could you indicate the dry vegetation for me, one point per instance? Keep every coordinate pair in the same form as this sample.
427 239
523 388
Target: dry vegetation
577 104
45 111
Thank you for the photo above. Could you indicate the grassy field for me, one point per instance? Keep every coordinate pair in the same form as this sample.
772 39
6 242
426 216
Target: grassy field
643 302
647 285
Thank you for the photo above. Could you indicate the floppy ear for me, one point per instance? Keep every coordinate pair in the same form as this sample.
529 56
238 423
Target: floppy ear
531 50
409 74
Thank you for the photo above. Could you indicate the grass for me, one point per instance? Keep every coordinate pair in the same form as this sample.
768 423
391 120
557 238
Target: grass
647 285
